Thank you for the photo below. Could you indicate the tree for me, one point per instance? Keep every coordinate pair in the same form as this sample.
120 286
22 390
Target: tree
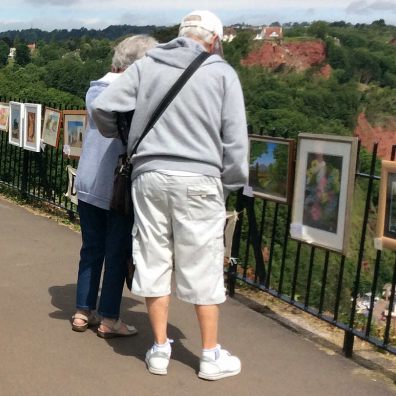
166 34
4 51
379 23
8 41
319 29
22 54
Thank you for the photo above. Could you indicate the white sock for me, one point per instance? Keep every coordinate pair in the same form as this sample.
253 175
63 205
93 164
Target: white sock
212 353
166 347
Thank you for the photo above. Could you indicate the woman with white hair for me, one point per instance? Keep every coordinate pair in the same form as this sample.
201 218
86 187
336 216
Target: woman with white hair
106 235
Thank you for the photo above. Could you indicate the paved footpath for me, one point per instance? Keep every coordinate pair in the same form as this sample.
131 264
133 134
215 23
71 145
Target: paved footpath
40 354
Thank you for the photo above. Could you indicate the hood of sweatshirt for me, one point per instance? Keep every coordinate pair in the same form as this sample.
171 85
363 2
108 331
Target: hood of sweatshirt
180 52
106 80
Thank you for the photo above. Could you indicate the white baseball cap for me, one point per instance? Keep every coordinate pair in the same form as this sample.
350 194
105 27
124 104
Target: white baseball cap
204 19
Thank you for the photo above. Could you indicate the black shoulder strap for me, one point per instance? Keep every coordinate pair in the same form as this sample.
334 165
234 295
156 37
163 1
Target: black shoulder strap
176 87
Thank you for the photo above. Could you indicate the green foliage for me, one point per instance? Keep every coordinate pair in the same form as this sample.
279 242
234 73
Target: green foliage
166 34
297 102
22 54
4 51
379 104
112 32
319 29
238 48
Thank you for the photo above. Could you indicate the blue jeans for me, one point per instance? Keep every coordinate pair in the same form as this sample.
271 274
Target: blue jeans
106 238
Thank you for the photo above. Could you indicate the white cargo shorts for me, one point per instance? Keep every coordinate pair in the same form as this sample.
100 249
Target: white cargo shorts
179 220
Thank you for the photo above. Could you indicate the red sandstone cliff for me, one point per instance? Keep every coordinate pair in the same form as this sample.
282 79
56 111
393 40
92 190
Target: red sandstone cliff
369 134
298 55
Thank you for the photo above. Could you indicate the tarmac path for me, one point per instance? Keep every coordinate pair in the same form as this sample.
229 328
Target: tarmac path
40 354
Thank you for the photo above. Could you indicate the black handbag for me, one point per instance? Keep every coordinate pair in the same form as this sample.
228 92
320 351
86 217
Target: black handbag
121 200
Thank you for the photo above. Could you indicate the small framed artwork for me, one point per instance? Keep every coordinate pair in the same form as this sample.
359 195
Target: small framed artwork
271 167
386 223
71 192
15 124
74 122
32 127
323 189
4 113
51 126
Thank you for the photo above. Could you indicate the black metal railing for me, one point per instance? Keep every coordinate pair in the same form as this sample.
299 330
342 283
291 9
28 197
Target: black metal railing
340 290
40 176
328 285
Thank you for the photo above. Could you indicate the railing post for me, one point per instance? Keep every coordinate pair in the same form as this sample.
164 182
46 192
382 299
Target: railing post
231 276
25 174
236 240
349 339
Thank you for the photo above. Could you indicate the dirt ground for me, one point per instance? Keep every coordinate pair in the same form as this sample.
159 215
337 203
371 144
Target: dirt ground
325 335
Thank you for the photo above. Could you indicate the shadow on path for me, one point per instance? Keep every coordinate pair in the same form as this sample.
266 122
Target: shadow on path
63 298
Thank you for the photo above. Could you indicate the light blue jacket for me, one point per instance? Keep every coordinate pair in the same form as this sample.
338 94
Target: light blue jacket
95 172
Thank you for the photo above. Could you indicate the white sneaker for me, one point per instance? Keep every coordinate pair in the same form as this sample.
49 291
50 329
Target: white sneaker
157 362
225 365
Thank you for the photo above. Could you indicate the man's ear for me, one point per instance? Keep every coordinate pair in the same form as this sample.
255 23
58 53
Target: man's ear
212 43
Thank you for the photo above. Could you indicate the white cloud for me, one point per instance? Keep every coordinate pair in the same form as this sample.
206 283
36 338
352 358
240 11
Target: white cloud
363 7
51 14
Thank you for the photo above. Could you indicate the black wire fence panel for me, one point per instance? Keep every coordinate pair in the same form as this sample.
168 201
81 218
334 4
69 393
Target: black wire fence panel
345 291
37 175
355 293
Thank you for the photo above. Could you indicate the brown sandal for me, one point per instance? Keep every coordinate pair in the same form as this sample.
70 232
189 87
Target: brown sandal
115 330
90 320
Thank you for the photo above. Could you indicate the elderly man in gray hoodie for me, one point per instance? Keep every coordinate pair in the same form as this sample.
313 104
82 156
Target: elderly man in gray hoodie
184 167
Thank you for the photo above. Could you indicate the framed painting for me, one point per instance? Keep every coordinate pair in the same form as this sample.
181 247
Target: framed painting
323 190
386 223
32 127
15 124
74 122
271 167
4 113
51 127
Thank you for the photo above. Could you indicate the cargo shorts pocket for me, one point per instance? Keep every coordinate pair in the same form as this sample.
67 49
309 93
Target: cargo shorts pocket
204 202
135 239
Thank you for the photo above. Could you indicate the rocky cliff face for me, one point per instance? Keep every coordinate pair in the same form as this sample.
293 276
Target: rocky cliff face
369 134
298 55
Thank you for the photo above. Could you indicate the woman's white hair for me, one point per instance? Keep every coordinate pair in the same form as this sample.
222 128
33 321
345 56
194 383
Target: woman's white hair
196 31
131 49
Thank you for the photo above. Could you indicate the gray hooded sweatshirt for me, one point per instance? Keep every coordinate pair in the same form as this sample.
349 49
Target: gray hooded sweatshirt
202 131
99 157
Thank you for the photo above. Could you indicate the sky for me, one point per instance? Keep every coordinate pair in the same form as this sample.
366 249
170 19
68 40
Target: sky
98 14
267 158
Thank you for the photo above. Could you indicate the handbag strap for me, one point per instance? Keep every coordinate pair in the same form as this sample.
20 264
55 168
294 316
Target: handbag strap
174 90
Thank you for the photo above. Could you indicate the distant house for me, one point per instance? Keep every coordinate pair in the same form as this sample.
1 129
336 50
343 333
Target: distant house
270 33
32 47
229 34
12 53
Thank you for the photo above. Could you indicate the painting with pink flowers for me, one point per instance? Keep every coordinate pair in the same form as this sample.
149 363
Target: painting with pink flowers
323 190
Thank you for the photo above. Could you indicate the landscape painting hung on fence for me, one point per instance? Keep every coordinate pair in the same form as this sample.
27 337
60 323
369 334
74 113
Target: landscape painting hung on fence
15 124
270 167
73 132
4 113
386 223
51 127
32 127
323 190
